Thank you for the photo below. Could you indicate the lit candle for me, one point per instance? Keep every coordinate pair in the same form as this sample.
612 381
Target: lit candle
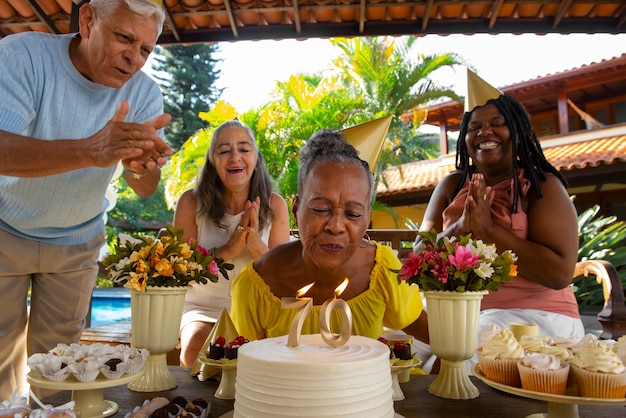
303 305
335 340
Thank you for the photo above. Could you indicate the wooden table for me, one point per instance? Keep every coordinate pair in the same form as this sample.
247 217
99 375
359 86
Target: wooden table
418 402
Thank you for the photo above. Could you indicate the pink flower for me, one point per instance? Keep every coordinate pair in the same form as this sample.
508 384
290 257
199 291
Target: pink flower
203 251
411 266
213 268
463 259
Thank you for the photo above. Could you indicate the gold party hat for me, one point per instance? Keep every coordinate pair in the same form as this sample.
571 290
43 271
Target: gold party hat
224 327
478 91
368 139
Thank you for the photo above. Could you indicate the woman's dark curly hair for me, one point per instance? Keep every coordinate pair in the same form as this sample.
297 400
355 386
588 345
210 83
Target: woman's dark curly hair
209 190
328 145
526 149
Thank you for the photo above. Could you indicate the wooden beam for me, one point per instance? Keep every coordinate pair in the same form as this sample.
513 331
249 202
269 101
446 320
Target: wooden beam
170 22
43 17
563 8
495 12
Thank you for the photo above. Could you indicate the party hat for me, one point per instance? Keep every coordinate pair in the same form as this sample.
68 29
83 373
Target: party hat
224 327
368 139
478 91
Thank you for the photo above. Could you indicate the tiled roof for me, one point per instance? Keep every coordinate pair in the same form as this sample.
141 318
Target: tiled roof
570 152
232 20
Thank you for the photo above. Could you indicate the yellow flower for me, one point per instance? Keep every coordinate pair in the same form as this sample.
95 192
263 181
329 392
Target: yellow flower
164 267
185 251
155 259
181 267
145 251
137 281
159 248
141 266
513 271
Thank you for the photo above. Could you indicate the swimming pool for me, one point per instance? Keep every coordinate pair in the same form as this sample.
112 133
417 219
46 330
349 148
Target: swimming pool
109 305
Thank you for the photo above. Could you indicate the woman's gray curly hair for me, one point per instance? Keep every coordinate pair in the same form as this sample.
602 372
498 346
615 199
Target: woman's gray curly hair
328 145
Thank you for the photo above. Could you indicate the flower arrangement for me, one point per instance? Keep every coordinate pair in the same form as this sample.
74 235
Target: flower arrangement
140 261
461 265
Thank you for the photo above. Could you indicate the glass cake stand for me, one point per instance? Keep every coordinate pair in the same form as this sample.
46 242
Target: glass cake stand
559 406
88 397
226 389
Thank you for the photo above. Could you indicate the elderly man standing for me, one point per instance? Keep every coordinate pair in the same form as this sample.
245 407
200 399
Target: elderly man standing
73 106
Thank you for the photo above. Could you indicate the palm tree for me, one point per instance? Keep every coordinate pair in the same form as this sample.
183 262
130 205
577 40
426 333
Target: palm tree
391 75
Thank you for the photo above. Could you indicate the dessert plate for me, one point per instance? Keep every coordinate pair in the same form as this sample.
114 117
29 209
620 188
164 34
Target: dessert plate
88 396
226 389
559 406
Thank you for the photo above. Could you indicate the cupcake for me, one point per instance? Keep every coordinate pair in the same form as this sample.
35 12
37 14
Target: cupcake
599 372
498 358
563 353
490 331
534 343
544 373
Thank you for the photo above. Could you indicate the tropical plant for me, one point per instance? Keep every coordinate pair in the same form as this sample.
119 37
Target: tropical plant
599 238
390 74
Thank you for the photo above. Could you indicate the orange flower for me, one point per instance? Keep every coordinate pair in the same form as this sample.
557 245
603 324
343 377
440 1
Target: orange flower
164 267
137 281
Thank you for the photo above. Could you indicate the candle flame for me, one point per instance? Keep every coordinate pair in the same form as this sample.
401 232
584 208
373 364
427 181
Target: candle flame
302 291
339 290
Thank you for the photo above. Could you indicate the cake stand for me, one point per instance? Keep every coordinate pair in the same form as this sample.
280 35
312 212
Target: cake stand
559 406
87 396
398 395
226 389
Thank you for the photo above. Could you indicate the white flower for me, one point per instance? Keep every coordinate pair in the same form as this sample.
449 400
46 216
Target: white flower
484 270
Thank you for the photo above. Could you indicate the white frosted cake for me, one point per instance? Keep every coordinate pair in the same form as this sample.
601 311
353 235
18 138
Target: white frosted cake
313 379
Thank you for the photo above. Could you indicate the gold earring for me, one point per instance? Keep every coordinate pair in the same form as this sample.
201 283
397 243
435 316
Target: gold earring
369 241
295 233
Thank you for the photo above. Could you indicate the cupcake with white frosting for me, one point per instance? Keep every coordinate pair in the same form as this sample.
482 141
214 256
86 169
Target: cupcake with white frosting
498 358
490 331
533 343
544 373
563 353
599 372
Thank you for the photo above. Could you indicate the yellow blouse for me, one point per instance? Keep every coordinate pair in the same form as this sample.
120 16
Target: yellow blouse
256 311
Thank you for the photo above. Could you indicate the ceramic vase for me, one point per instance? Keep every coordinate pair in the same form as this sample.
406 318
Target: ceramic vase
155 318
453 333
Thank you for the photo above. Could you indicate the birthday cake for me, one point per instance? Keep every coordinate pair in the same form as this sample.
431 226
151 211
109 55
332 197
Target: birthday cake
313 379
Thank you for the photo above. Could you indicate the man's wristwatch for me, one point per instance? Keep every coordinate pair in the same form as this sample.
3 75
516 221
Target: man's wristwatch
135 175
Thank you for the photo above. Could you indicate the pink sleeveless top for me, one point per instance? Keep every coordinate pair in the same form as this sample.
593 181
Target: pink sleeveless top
520 292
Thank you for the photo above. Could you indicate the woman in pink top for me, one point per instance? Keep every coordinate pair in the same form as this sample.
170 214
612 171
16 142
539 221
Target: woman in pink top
505 192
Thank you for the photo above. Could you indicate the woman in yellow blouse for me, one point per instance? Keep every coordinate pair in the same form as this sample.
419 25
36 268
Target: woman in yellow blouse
332 211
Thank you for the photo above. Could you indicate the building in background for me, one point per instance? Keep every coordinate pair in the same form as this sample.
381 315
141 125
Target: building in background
580 118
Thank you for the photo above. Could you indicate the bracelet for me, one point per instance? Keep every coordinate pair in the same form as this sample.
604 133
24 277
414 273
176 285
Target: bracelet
135 175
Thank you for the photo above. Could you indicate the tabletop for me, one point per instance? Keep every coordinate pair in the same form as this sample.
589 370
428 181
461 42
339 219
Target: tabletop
418 402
